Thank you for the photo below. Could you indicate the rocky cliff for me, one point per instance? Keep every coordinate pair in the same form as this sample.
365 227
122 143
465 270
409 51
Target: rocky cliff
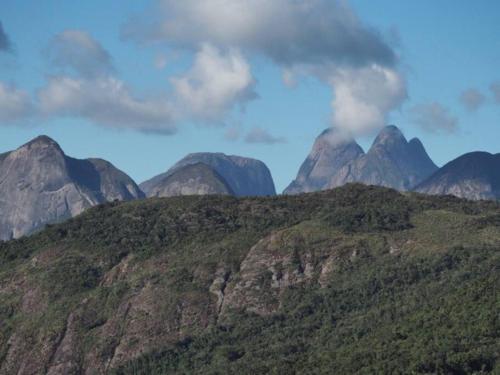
39 184
193 179
330 153
392 161
245 176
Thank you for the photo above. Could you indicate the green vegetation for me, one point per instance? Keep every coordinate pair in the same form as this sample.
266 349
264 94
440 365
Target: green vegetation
354 280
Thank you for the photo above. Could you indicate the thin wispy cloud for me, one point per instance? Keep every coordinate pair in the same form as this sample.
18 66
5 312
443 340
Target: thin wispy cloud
262 136
495 90
76 51
472 99
434 118
15 104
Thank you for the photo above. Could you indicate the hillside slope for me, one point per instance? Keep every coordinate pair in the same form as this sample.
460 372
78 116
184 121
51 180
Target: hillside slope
353 280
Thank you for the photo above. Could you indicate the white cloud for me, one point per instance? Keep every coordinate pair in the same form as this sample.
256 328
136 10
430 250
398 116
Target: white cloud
215 83
105 101
472 99
323 38
78 52
288 31
363 97
15 104
232 133
259 135
434 118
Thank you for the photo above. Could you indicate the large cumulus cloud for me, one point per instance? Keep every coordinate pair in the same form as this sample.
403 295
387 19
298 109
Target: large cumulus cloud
324 38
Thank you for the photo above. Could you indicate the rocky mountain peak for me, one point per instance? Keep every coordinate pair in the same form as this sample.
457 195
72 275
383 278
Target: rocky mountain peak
245 176
39 184
42 142
335 160
391 139
332 150
192 179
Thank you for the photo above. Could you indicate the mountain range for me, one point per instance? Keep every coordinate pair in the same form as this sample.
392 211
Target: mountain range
335 160
40 184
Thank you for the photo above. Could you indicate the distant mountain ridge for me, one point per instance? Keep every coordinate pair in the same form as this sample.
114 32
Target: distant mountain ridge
245 176
39 184
475 175
192 179
392 161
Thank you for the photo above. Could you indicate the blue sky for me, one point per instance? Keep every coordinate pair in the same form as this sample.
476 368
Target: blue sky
443 49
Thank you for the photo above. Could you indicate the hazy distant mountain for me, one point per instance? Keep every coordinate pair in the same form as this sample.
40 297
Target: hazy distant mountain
475 175
392 161
245 176
193 179
331 151
39 184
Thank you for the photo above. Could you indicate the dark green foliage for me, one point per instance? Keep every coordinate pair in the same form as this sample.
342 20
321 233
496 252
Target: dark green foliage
436 315
415 284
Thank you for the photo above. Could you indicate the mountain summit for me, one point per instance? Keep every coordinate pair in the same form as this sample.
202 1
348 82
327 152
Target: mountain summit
331 151
39 184
244 176
392 161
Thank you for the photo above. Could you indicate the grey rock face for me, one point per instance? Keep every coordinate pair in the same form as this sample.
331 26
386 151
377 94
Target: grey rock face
475 175
245 176
330 153
39 184
194 179
392 162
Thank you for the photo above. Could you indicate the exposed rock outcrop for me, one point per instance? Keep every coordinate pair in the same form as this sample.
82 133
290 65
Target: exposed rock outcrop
330 153
39 184
244 176
194 179
336 160
392 162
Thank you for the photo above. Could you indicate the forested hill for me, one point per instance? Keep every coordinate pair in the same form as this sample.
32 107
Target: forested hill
353 280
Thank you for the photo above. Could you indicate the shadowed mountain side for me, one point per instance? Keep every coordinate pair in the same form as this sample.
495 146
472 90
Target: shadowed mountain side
475 175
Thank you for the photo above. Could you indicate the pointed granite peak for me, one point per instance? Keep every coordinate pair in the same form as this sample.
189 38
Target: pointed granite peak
390 135
333 138
43 141
332 150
